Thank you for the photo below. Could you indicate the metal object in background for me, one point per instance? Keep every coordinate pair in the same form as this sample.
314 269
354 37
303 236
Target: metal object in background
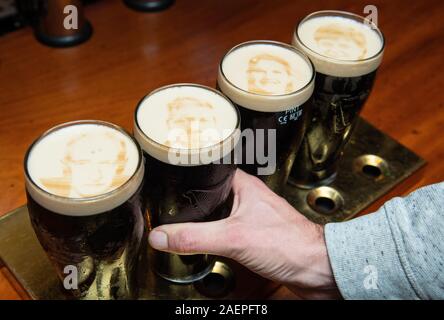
148 5
50 27
373 163
10 18
15 14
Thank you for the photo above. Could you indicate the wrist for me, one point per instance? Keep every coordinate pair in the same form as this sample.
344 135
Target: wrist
315 278
315 271
321 271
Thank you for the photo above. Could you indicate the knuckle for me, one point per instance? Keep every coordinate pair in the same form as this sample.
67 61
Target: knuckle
257 182
263 206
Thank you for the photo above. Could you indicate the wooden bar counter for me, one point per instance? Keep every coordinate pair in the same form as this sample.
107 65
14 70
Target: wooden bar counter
132 53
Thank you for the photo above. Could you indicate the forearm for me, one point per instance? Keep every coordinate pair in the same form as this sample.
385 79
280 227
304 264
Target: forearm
395 253
365 260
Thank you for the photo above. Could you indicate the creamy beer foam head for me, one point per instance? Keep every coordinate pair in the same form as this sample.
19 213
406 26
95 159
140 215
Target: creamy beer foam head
77 163
340 43
266 76
187 119
266 69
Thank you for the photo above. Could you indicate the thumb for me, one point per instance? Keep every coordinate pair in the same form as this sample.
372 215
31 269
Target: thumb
192 238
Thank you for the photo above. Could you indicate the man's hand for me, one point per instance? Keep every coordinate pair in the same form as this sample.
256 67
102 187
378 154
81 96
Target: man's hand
265 234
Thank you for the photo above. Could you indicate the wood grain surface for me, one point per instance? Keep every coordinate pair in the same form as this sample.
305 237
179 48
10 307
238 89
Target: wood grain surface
132 53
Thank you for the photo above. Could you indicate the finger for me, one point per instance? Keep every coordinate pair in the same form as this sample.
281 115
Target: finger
192 238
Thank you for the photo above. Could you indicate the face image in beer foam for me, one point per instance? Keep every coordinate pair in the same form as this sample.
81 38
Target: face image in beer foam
266 69
339 38
82 161
186 117
189 117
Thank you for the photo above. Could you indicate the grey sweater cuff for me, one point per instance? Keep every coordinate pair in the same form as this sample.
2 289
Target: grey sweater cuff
365 259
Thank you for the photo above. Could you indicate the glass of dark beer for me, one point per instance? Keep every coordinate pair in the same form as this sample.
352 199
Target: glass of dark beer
346 50
271 83
188 133
83 184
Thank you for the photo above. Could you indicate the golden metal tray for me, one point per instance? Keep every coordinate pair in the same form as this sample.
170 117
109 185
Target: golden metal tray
23 256
373 164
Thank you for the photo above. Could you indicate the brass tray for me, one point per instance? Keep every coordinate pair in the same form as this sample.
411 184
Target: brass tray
23 256
372 165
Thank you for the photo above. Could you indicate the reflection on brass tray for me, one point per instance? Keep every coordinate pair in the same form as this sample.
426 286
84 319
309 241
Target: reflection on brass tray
373 163
22 254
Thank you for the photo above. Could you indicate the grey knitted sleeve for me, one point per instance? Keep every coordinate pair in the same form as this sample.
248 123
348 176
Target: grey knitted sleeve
394 253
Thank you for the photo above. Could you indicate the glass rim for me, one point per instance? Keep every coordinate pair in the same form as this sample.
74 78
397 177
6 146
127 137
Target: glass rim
74 123
190 150
270 42
344 14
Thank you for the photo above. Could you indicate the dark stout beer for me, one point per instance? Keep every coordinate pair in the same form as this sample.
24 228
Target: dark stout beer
271 83
188 133
83 182
346 50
